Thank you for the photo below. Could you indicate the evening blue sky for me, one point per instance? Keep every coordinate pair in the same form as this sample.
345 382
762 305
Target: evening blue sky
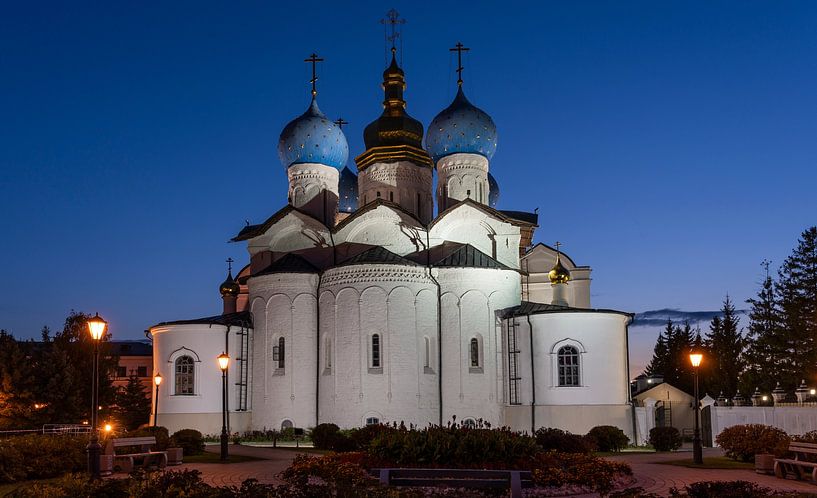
669 145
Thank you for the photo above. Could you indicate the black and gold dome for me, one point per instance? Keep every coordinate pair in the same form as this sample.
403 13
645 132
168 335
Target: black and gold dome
394 136
229 287
559 274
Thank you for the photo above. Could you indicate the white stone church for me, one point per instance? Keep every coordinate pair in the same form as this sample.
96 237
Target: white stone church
362 304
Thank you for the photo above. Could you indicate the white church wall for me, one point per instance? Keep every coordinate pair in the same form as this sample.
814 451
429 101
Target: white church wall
401 182
538 262
294 232
470 298
202 409
307 184
386 227
289 312
468 225
575 419
460 177
378 300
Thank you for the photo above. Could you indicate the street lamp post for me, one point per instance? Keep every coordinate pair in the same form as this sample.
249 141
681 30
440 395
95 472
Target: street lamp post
96 326
157 379
695 358
223 363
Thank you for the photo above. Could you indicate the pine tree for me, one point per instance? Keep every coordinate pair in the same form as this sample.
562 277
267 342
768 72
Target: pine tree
724 361
797 294
660 356
766 352
132 404
679 372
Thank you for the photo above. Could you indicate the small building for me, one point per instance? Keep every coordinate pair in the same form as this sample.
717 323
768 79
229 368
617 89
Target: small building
135 358
672 406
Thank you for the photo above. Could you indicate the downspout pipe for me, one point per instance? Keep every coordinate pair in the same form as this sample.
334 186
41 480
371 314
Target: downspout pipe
532 380
318 347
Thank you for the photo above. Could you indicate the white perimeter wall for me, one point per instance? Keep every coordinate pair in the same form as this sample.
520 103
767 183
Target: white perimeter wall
792 419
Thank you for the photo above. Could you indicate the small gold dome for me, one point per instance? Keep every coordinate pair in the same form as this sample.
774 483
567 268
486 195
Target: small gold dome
559 274
229 287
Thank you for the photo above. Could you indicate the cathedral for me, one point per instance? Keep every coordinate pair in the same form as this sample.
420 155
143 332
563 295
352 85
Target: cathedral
363 304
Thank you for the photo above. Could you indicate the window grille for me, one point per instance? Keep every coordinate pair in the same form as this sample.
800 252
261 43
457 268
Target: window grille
376 351
474 352
185 370
568 362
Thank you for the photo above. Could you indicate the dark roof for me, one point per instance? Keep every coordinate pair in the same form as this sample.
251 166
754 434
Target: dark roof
242 318
524 217
289 263
378 254
464 256
251 231
131 348
529 308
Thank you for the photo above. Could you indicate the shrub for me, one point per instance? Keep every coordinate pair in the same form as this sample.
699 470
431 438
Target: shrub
38 456
724 489
160 433
323 436
190 440
743 442
809 437
665 438
586 471
608 438
559 440
364 436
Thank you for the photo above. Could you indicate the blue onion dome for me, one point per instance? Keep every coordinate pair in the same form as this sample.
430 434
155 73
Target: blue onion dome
347 191
461 128
493 191
313 138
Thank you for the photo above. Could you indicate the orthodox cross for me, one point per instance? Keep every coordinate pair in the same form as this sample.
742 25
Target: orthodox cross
314 60
558 245
459 49
340 122
229 264
392 19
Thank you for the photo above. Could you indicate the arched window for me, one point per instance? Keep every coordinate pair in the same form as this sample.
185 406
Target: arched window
184 373
469 423
372 420
474 352
286 424
378 195
391 196
568 363
278 352
376 351
426 352
327 361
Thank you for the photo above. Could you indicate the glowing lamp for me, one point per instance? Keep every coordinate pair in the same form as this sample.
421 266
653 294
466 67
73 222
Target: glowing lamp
157 379
223 361
813 392
97 326
765 398
695 359
108 427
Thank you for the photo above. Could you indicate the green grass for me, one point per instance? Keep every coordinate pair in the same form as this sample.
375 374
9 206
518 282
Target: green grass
208 457
711 463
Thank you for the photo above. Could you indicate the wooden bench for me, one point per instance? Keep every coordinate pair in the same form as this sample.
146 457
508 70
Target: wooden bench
804 462
514 480
145 458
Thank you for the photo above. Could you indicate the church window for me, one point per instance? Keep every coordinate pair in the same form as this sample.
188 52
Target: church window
376 351
378 195
278 352
372 420
568 363
391 196
468 193
427 352
328 355
469 423
474 352
184 370
287 424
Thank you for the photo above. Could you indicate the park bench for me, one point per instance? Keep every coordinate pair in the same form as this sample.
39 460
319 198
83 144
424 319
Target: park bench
514 480
145 458
803 464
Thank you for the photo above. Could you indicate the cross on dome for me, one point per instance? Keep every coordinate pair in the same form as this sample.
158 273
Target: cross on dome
459 48
314 59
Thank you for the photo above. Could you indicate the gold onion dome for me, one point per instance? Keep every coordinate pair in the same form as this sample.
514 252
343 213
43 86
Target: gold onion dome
229 287
559 274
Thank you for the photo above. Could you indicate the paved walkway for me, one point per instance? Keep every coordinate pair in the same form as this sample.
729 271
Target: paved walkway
660 478
654 477
233 474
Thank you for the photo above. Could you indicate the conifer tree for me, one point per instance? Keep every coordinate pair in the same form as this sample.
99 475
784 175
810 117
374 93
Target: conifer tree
132 404
796 293
766 356
679 371
724 344
660 356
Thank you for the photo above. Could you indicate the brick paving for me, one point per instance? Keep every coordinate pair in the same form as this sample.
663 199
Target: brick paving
660 478
654 477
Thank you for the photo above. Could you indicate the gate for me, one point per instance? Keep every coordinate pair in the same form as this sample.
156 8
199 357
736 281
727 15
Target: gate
706 426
